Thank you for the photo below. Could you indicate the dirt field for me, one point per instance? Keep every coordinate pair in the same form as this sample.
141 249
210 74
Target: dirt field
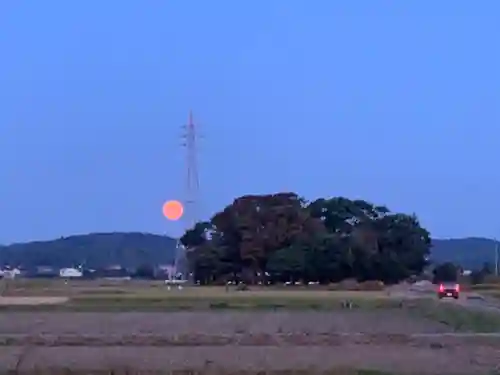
91 325
379 340
212 323
395 360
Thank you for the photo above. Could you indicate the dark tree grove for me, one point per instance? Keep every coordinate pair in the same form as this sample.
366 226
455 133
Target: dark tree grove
281 237
446 272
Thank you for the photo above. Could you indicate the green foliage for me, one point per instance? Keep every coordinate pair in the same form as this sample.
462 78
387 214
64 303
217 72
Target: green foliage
446 272
479 276
93 250
145 271
280 237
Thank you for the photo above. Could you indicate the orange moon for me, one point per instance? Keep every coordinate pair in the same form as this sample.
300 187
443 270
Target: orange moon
173 210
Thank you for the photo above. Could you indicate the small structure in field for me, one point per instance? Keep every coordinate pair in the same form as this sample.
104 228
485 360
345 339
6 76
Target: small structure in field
70 273
10 273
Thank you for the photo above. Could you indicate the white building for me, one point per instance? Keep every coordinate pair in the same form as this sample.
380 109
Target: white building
70 272
10 273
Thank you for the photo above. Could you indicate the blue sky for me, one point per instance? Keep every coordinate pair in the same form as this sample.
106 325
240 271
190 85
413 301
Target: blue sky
396 102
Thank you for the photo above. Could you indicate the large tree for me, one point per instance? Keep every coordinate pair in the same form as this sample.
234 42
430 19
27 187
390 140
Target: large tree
284 237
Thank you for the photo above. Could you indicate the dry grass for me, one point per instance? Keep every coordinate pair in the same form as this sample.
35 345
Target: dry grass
458 318
75 288
147 296
495 294
485 287
32 301
491 289
156 296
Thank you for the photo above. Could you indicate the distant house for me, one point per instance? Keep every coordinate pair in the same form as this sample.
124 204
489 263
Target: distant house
70 273
10 273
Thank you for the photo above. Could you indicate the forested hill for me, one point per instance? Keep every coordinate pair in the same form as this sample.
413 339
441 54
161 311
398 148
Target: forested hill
470 253
130 249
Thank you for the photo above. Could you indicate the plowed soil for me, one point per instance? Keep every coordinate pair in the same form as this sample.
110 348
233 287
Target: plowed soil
100 336
176 323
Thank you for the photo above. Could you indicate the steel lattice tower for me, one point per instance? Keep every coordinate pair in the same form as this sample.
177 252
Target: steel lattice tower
189 143
190 138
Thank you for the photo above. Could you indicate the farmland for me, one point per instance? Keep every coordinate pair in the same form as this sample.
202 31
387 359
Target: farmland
126 325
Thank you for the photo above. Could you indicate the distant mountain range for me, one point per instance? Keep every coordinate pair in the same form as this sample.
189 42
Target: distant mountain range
470 253
133 249
94 250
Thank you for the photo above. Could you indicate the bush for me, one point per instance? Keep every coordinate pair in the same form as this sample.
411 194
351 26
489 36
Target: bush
242 287
349 285
492 279
477 277
371 285
353 285
446 272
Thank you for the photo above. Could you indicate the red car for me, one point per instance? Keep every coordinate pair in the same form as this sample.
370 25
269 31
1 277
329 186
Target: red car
449 290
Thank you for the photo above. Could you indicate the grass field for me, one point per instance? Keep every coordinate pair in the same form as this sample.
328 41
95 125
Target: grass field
492 289
155 296
97 326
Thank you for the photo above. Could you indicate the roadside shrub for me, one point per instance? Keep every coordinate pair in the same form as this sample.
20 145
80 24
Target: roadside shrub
446 272
477 277
492 279
333 286
371 285
349 285
242 287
